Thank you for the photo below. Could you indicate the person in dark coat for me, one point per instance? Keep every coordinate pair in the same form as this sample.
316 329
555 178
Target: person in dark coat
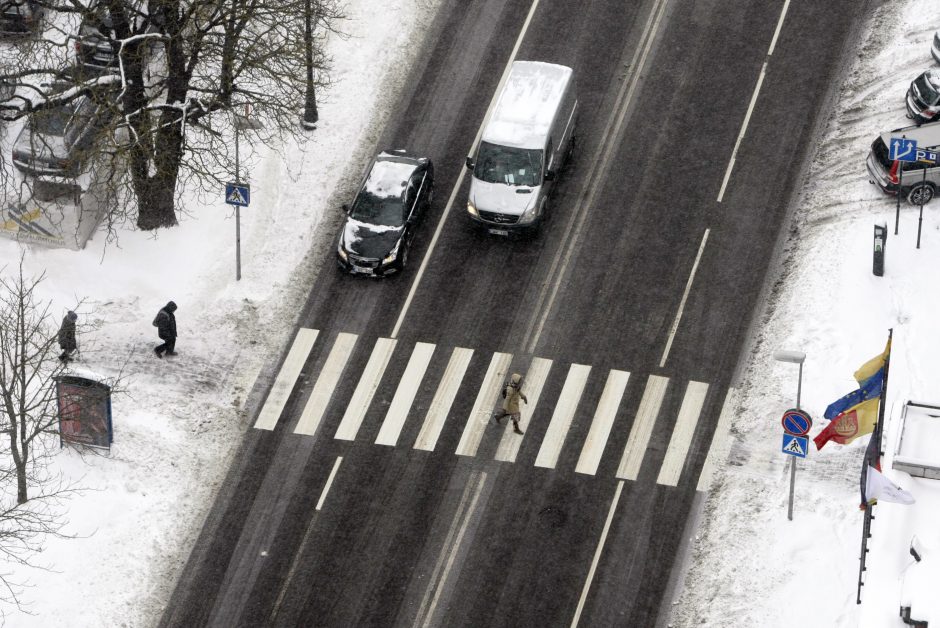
67 336
165 322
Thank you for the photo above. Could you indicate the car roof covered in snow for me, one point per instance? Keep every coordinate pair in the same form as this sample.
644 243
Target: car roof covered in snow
526 107
390 173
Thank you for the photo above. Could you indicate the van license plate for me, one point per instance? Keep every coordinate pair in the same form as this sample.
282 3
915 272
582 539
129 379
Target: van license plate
501 232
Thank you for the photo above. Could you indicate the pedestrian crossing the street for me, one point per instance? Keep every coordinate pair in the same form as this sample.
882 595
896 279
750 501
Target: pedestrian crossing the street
416 392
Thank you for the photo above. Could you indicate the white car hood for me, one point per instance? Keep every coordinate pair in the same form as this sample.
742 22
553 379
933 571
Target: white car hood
500 198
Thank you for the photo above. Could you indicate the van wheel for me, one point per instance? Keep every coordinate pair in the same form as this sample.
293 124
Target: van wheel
920 194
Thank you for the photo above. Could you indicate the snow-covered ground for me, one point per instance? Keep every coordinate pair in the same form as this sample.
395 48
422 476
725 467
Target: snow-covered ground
180 421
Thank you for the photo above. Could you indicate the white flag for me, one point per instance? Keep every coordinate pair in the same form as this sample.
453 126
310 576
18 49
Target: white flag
877 486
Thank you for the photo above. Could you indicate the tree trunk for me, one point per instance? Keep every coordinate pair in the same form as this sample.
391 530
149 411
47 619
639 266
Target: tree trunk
155 187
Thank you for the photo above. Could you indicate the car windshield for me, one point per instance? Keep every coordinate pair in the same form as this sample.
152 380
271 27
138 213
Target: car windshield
378 210
512 166
928 94
51 121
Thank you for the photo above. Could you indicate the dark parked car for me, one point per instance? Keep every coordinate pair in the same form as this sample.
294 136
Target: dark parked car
381 223
96 50
19 17
58 140
923 97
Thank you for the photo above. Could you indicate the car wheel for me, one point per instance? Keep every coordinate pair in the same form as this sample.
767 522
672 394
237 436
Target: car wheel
920 194
404 255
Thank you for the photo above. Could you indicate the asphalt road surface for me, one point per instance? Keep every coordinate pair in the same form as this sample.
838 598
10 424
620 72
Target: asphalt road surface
379 493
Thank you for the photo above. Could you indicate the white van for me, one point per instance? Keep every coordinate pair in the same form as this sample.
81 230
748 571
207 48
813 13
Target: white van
523 146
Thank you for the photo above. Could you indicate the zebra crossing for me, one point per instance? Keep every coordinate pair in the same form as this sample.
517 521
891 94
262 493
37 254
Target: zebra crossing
454 380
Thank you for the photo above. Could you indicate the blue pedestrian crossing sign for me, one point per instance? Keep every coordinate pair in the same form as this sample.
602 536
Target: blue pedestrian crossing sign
902 149
795 445
238 194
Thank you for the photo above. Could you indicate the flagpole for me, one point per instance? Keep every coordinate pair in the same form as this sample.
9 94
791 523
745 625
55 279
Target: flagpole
876 441
879 427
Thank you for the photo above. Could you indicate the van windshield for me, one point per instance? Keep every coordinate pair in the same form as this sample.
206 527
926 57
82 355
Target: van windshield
512 166
926 90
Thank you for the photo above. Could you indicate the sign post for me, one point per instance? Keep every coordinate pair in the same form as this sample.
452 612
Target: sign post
239 195
797 443
901 149
920 219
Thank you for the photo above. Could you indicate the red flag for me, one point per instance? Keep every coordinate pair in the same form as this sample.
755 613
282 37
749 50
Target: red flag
854 422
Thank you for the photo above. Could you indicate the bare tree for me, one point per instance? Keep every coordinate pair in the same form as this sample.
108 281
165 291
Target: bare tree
180 69
29 492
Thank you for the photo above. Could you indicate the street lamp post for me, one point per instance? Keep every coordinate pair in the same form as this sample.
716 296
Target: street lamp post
309 119
793 357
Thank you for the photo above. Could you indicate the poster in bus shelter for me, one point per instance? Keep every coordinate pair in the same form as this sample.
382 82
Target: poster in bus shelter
84 412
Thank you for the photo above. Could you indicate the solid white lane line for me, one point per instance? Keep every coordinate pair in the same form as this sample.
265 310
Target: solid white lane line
718 451
449 551
463 173
642 427
603 421
783 14
484 405
329 482
443 399
405 394
532 387
597 555
682 433
611 135
565 409
365 390
737 143
685 296
284 382
326 384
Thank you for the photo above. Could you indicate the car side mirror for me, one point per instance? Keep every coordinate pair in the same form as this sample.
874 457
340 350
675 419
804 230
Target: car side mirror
345 208
549 175
470 163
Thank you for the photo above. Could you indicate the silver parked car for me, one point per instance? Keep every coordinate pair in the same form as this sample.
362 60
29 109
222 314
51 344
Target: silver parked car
915 181
58 140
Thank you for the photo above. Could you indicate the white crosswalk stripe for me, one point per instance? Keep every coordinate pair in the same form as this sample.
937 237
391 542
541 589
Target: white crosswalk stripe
405 394
326 384
642 427
682 434
284 383
603 422
368 384
412 383
564 413
443 399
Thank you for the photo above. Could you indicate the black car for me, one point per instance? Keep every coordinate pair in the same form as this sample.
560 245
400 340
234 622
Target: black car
96 49
381 223
19 17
